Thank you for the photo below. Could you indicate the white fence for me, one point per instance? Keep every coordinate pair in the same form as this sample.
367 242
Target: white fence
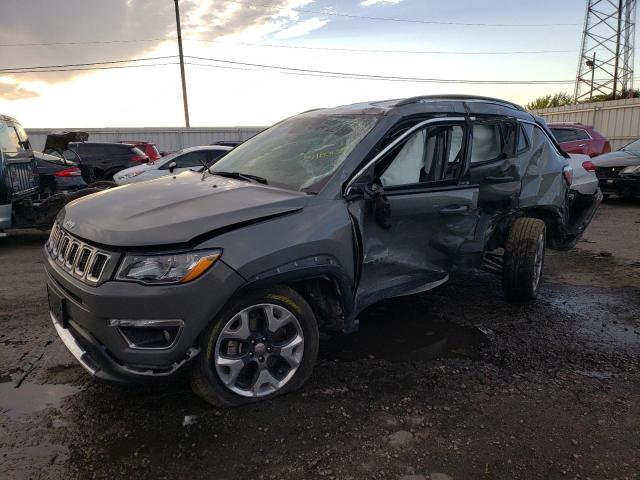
166 139
618 120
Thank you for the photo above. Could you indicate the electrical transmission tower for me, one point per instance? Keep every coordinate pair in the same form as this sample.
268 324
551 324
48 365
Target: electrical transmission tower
606 58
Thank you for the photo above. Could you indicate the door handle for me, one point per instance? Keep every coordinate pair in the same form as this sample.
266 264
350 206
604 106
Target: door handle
451 209
581 145
492 179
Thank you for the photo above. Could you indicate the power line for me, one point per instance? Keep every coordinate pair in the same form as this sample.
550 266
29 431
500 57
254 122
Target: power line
380 77
246 66
296 47
114 67
369 50
402 20
88 42
72 65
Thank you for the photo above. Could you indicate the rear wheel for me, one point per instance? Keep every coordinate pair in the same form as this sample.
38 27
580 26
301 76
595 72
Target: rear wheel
523 261
263 345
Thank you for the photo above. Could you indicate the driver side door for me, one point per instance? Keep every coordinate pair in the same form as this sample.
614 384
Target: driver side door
421 180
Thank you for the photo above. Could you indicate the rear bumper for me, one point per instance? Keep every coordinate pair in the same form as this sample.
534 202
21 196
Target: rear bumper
100 347
608 185
623 185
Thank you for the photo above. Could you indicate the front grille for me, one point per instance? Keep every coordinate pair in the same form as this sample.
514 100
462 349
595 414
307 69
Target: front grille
81 260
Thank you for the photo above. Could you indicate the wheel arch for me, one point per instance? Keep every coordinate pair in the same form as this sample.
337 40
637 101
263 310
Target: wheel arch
327 289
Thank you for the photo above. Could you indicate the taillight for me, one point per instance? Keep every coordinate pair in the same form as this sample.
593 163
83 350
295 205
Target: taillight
68 172
588 166
607 147
567 173
140 158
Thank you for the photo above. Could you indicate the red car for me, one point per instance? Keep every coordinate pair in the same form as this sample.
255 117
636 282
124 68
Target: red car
149 149
579 138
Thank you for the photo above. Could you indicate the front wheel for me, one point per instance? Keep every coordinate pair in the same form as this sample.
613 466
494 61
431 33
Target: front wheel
523 260
262 345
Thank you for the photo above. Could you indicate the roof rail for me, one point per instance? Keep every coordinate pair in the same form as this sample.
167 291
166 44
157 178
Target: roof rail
506 103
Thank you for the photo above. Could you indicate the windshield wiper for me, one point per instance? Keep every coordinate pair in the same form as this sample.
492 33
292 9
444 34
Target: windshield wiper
242 176
205 169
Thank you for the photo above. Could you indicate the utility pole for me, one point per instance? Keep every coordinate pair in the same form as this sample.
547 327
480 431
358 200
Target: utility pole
185 101
609 29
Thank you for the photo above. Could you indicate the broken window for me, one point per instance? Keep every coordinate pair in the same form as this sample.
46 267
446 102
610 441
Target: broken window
431 154
523 141
487 143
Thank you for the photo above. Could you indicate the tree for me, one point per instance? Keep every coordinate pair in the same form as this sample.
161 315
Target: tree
561 99
548 101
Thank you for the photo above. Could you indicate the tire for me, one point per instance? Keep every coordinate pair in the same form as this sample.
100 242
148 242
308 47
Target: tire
102 185
236 385
523 260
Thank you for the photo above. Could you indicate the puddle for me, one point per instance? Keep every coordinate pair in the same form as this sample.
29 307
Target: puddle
413 335
31 397
604 318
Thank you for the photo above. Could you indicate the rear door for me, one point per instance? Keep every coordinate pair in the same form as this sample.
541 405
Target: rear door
422 179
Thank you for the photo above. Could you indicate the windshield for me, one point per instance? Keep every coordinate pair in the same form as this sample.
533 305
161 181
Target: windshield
632 147
299 152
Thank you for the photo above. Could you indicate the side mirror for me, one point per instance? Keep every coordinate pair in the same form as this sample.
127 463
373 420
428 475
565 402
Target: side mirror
379 204
172 166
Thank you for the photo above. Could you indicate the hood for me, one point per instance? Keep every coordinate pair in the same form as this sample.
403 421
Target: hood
173 209
621 158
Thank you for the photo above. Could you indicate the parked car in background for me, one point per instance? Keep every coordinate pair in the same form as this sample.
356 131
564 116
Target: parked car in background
233 272
101 161
617 171
57 174
228 143
584 180
21 202
58 140
575 137
188 159
149 149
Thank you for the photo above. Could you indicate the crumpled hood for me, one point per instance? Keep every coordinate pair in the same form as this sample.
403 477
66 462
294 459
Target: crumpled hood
173 209
616 159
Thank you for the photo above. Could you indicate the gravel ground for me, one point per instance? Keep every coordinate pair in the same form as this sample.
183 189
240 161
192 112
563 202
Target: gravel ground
453 383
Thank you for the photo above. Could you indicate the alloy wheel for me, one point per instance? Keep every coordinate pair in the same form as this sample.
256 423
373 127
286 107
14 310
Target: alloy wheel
259 350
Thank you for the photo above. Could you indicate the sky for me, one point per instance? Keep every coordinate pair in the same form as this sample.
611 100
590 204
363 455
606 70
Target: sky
321 35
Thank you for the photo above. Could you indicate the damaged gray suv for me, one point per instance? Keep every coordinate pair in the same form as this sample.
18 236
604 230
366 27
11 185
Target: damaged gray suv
231 272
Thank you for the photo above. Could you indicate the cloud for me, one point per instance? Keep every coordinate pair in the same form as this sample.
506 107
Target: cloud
13 91
44 22
370 3
301 29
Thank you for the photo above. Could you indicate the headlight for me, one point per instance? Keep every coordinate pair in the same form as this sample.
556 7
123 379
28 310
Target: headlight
164 269
632 170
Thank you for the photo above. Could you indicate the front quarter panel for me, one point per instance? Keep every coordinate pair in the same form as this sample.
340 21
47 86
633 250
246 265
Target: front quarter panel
315 239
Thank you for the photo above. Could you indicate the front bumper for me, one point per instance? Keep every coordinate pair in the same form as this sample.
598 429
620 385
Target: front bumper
100 347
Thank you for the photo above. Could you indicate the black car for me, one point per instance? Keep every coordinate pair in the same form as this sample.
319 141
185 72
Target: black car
100 161
57 174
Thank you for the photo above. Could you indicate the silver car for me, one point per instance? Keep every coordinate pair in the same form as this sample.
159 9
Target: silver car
192 158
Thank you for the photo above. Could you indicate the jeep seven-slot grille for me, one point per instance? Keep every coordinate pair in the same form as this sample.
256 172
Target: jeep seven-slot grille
81 260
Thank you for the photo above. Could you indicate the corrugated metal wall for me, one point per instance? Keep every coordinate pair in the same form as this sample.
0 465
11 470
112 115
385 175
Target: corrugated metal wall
618 120
166 139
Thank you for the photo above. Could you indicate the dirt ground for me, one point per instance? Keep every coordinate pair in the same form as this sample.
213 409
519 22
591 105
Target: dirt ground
452 383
